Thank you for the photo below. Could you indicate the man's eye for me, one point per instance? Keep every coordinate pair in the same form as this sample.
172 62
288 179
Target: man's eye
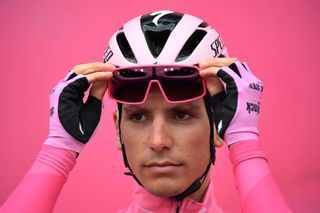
138 117
182 115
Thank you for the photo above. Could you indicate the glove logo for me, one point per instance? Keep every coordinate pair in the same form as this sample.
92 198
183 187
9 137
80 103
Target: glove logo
52 91
256 86
80 128
252 107
219 126
51 111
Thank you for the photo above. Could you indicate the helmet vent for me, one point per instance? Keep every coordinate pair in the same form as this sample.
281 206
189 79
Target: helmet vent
125 48
190 45
203 25
157 28
156 41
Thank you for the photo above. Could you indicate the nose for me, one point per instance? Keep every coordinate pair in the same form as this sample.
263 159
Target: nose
159 138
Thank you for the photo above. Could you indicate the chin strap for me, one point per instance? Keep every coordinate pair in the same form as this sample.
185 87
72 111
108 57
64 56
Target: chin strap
125 160
130 172
196 185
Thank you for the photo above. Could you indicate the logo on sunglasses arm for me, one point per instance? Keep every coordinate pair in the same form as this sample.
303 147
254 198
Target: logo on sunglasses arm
217 46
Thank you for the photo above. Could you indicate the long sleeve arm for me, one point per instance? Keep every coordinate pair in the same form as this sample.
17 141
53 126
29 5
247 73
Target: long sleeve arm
41 186
255 183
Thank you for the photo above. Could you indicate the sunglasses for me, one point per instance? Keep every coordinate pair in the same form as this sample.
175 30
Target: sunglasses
177 83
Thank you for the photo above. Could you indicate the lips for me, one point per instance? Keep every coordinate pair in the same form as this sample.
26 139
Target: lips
162 167
161 164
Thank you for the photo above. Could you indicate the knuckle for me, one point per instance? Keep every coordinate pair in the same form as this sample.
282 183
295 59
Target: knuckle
97 65
94 65
77 69
92 77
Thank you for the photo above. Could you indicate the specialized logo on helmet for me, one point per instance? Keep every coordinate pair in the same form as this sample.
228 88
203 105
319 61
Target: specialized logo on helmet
217 46
107 54
159 14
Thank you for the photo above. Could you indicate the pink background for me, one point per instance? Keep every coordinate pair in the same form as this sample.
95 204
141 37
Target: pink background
41 40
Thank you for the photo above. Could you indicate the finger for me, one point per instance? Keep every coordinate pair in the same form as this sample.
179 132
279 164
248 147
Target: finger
93 67
209 72
98 89
214 85
217 62
99 76
218 142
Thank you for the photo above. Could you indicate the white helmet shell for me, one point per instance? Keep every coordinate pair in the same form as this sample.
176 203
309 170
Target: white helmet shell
164 37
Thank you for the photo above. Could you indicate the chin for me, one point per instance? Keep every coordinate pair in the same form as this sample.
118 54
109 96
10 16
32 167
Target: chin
165 189
163 192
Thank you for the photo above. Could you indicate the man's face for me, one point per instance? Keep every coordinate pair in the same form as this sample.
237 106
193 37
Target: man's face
167 145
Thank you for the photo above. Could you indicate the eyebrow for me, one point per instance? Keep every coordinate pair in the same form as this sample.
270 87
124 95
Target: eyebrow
130 108
189 106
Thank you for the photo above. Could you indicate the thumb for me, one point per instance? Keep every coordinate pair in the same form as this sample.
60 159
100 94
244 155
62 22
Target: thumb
99 82
99 76
214 85
98 89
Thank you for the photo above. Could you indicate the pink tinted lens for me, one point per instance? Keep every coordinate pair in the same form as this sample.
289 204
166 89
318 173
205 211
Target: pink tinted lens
129 85
181 83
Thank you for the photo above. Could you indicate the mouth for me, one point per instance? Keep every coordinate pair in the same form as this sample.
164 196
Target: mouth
162 167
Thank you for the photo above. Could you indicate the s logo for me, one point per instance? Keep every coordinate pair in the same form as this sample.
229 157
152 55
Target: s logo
159 14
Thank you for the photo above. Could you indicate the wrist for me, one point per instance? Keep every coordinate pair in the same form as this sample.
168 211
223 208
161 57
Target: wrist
245 150
67 142
231 138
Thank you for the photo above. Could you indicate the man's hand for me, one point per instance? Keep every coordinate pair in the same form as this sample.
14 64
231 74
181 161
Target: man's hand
97 73
209 71
236 102
73 122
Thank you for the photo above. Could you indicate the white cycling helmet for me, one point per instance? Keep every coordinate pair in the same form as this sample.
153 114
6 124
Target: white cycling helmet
164 37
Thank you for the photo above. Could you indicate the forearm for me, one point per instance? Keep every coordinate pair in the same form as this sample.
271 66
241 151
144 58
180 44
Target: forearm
40 188
255 183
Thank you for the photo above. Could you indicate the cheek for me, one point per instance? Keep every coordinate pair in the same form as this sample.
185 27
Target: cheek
202 143
194 133
195 141
133 142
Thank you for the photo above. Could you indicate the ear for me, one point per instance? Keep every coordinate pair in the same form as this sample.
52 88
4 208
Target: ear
218 142
116 125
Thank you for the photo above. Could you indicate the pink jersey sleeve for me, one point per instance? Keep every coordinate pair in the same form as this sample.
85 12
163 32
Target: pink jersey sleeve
255 183
40 188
